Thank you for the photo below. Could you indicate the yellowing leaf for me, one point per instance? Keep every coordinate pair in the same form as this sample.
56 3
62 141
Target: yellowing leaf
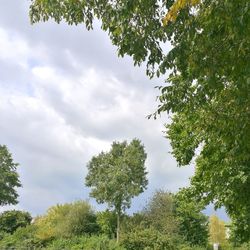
176 7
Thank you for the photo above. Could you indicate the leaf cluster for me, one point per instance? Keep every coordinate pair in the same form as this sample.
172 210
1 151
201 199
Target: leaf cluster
66 220
117 176
9 178
11 220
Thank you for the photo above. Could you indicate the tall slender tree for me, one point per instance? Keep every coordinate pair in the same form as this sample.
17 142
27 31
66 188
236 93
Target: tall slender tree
117 176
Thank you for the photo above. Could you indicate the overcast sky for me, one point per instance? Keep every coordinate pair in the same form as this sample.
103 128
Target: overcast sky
66 96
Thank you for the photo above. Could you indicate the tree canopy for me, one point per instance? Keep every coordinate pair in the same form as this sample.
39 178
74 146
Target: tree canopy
173 215
9 178
11 220
66 220
160 213
217 230
193 224
207 93
117 176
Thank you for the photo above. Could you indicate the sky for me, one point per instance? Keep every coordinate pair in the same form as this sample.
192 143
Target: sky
65 96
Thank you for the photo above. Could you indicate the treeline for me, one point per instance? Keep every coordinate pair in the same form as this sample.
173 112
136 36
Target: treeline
166 222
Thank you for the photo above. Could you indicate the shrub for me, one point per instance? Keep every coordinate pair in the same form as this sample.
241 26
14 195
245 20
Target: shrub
85 243
22 238
147 239
188 247
107 222
245 246
80 220
67 220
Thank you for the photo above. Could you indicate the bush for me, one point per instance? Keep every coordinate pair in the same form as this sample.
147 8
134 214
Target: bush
80 220
67 220
188 247
22 238
245 246
84 243
147 239
107 221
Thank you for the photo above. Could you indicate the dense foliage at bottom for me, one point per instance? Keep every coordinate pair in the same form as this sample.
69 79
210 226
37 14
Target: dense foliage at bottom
166 223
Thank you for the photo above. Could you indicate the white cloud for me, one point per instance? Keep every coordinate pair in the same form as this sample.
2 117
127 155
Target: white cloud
13 48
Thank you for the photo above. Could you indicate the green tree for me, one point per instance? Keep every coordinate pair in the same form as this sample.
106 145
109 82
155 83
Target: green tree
160 213
81 219
66 220
107 223
117 176
240 228
208 88
193 224
9 179
51 225
136 222
10 221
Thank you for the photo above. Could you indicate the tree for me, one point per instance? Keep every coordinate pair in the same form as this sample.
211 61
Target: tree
160 213
66 220
10 221
117 176
81 219
178 216
9 178
240 228
217 230
208 88
193 224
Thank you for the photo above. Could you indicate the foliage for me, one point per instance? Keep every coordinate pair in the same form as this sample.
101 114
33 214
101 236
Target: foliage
9 179
177 6
84 243
80 220
240 228
66 220
11 220
117 176
51 225
137 221
208 92
176 216
245 246
22 238
107 223
188 247
147 239
208 89
193 225
160 213
217 231
75 226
